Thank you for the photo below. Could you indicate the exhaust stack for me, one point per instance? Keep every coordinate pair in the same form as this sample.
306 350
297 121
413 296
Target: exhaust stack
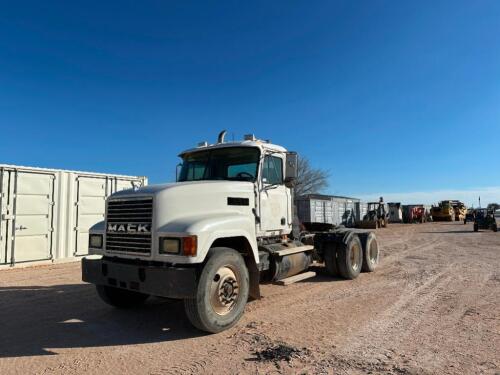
221 137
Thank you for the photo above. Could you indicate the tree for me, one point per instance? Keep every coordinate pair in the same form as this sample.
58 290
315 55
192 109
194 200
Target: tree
493 206
310 180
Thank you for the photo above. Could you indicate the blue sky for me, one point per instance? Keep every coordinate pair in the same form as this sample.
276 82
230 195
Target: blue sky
391 97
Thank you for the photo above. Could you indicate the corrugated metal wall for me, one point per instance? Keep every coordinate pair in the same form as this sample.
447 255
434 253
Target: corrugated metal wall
335 210
46 214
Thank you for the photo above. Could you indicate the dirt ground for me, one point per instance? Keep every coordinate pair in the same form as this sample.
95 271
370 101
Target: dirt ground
432 307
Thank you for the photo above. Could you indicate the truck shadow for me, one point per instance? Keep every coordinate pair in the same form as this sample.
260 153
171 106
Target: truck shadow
450 232
322 276
37 320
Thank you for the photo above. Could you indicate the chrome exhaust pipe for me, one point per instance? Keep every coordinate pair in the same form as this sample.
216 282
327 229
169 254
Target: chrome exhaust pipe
221 137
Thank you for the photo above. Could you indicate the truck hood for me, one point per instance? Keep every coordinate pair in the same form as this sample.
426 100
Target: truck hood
177 206
188 186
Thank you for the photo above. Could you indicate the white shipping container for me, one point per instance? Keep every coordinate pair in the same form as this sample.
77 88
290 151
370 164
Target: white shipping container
45 214
395 213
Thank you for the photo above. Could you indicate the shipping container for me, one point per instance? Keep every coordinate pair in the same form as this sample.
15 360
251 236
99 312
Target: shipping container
45 214
327 209
395 212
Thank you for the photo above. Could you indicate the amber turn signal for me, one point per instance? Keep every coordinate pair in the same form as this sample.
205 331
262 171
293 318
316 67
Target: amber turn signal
190 246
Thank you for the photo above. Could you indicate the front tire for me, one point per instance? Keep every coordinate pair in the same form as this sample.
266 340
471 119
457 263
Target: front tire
476 227
120 298
222 292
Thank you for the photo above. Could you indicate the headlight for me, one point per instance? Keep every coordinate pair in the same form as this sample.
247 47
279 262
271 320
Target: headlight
170 245
95 241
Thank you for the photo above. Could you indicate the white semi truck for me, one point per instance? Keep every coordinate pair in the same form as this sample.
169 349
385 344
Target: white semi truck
212 237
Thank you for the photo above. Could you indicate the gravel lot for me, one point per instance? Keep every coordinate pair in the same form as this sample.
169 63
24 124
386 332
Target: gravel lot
433 306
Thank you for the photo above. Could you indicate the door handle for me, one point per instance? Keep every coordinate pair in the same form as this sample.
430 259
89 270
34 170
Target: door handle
21 227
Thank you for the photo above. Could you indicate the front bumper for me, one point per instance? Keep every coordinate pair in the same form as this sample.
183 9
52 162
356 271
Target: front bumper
161 281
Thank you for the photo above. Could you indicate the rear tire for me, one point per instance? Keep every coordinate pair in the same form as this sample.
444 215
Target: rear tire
495 228
221 293
371 253
120 298
330 255
350 258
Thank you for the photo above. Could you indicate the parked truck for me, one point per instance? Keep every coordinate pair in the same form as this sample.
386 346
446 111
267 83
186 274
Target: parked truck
212 237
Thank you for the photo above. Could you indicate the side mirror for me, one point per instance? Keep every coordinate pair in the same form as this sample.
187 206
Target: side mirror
291 169
177 171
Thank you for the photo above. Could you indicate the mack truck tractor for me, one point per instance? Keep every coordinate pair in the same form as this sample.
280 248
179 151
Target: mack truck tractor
225 226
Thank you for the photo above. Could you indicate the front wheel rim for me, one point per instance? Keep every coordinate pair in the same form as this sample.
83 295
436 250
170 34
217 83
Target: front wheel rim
224 290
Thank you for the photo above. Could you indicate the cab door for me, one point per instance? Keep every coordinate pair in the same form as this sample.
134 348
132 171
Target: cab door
275 199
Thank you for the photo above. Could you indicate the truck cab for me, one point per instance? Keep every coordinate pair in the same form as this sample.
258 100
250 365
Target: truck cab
209 238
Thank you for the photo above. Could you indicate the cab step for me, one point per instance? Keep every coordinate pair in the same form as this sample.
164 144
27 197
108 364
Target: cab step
295 278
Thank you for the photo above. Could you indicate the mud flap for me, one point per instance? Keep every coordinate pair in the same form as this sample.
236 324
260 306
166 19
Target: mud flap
254 275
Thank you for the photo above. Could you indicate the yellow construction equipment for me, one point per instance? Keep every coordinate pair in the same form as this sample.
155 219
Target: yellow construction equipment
376 217
443 212
460 210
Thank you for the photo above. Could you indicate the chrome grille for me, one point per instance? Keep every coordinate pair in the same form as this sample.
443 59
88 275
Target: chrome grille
122 214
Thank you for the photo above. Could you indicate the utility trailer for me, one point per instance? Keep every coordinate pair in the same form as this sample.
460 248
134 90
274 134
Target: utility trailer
212 237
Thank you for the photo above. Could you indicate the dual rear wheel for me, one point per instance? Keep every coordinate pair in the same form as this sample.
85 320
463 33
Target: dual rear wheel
360 253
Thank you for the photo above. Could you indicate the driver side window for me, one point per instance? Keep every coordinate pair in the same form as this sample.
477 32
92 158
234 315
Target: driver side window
272 171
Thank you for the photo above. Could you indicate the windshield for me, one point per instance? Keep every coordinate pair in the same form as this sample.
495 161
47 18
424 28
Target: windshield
481 212
228 163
